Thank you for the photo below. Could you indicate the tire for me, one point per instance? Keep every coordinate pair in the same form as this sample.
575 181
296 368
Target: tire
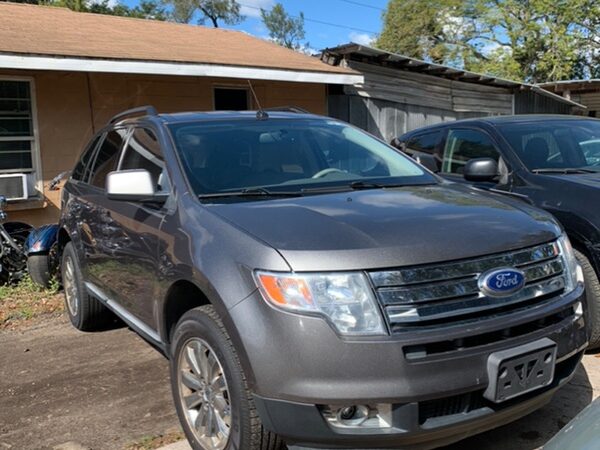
592 290
201 332
39 270
85 312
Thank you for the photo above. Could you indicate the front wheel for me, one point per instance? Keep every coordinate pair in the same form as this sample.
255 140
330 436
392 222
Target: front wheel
214 404
592 292
39 270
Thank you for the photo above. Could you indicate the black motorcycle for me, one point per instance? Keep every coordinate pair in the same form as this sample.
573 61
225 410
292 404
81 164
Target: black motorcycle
13 235
24 248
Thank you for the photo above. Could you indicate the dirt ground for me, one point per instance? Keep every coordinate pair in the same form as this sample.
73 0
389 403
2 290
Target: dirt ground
101 390
107 390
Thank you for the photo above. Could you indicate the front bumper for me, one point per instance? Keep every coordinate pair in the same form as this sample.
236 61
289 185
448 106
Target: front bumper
297 364
303 425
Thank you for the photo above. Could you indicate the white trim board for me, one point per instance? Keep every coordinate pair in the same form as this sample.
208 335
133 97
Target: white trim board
172 68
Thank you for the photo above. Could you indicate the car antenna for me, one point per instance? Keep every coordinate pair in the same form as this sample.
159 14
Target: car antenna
260 114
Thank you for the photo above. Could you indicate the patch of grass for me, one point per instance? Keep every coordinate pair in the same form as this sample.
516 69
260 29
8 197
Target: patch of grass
154 442
25 302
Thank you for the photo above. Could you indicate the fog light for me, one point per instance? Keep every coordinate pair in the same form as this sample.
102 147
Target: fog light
359 417
347 412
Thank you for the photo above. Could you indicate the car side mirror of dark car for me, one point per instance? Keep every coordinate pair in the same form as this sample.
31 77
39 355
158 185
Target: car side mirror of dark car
481 169
133 186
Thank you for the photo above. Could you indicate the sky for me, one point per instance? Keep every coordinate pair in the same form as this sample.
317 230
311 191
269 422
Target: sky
353 21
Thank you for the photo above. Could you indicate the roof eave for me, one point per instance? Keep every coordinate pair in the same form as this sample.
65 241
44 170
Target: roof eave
81 64
445 71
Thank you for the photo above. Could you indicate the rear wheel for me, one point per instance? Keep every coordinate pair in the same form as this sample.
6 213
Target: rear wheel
85 312
213 401
592 292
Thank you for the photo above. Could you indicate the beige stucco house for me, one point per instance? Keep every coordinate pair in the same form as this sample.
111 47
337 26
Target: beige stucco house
64 74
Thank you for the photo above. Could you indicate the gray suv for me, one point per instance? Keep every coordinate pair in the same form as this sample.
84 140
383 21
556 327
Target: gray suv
312 286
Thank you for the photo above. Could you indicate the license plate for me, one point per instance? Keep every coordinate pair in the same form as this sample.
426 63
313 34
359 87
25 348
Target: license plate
519 370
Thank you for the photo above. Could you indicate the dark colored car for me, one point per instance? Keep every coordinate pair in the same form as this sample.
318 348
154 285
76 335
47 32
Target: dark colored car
552 162
313 286
581 433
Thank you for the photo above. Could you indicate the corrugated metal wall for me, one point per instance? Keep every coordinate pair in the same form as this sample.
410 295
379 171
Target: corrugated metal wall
529 102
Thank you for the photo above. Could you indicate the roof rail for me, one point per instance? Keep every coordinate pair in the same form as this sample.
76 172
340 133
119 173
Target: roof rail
292 109
141 110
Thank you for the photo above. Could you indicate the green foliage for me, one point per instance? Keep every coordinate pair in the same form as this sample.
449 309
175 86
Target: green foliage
283 28
226 11
532 40
147 9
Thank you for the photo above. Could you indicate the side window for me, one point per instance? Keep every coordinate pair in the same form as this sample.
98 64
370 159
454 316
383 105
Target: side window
424 143
463 145
82 168
107 157
143 152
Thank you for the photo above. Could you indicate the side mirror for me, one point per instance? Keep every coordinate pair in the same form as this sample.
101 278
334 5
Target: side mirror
132 186
481 169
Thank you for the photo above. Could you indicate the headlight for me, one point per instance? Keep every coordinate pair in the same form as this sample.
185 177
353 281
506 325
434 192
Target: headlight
345 299
573 271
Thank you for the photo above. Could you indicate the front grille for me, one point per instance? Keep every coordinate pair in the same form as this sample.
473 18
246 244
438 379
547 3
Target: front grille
449 293
449 406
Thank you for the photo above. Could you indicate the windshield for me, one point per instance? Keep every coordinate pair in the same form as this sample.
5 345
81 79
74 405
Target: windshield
556 144
291 155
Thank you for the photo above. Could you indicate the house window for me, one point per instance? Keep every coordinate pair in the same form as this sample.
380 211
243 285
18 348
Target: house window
17 138
231 99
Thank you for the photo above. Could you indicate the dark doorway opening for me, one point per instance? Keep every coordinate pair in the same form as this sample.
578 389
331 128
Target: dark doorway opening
231 99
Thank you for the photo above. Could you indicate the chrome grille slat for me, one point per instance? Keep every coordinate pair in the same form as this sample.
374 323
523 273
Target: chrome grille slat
450 292
391 296
398 314
460 287
444 272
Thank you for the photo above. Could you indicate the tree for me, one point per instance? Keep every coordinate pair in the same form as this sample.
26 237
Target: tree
147 9
226 11
532 40
284 29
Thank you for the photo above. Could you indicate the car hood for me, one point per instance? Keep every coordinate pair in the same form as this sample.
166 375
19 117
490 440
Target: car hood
585 179
390 227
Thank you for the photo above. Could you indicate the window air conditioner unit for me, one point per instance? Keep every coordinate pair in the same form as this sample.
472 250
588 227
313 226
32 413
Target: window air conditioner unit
13 186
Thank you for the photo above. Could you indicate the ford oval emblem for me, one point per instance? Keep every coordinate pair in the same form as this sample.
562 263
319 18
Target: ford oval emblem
501 282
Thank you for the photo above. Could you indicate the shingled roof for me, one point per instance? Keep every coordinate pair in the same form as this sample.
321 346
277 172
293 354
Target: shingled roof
43 32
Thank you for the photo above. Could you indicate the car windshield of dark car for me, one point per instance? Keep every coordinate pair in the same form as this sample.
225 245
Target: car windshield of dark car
556 144
283 155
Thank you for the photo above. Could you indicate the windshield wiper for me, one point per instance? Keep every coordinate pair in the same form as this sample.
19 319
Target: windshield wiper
355 186
566 171
251 192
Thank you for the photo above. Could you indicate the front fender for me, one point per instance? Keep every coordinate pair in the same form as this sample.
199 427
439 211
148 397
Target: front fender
41 239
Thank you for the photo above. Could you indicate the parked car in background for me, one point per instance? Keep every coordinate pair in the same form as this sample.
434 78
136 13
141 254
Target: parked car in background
313 286
581 433
551 161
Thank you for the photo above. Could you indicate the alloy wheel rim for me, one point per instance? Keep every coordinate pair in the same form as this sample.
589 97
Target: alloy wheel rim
204 394
70 288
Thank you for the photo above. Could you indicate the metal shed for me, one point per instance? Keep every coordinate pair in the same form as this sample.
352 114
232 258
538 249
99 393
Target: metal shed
400 93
